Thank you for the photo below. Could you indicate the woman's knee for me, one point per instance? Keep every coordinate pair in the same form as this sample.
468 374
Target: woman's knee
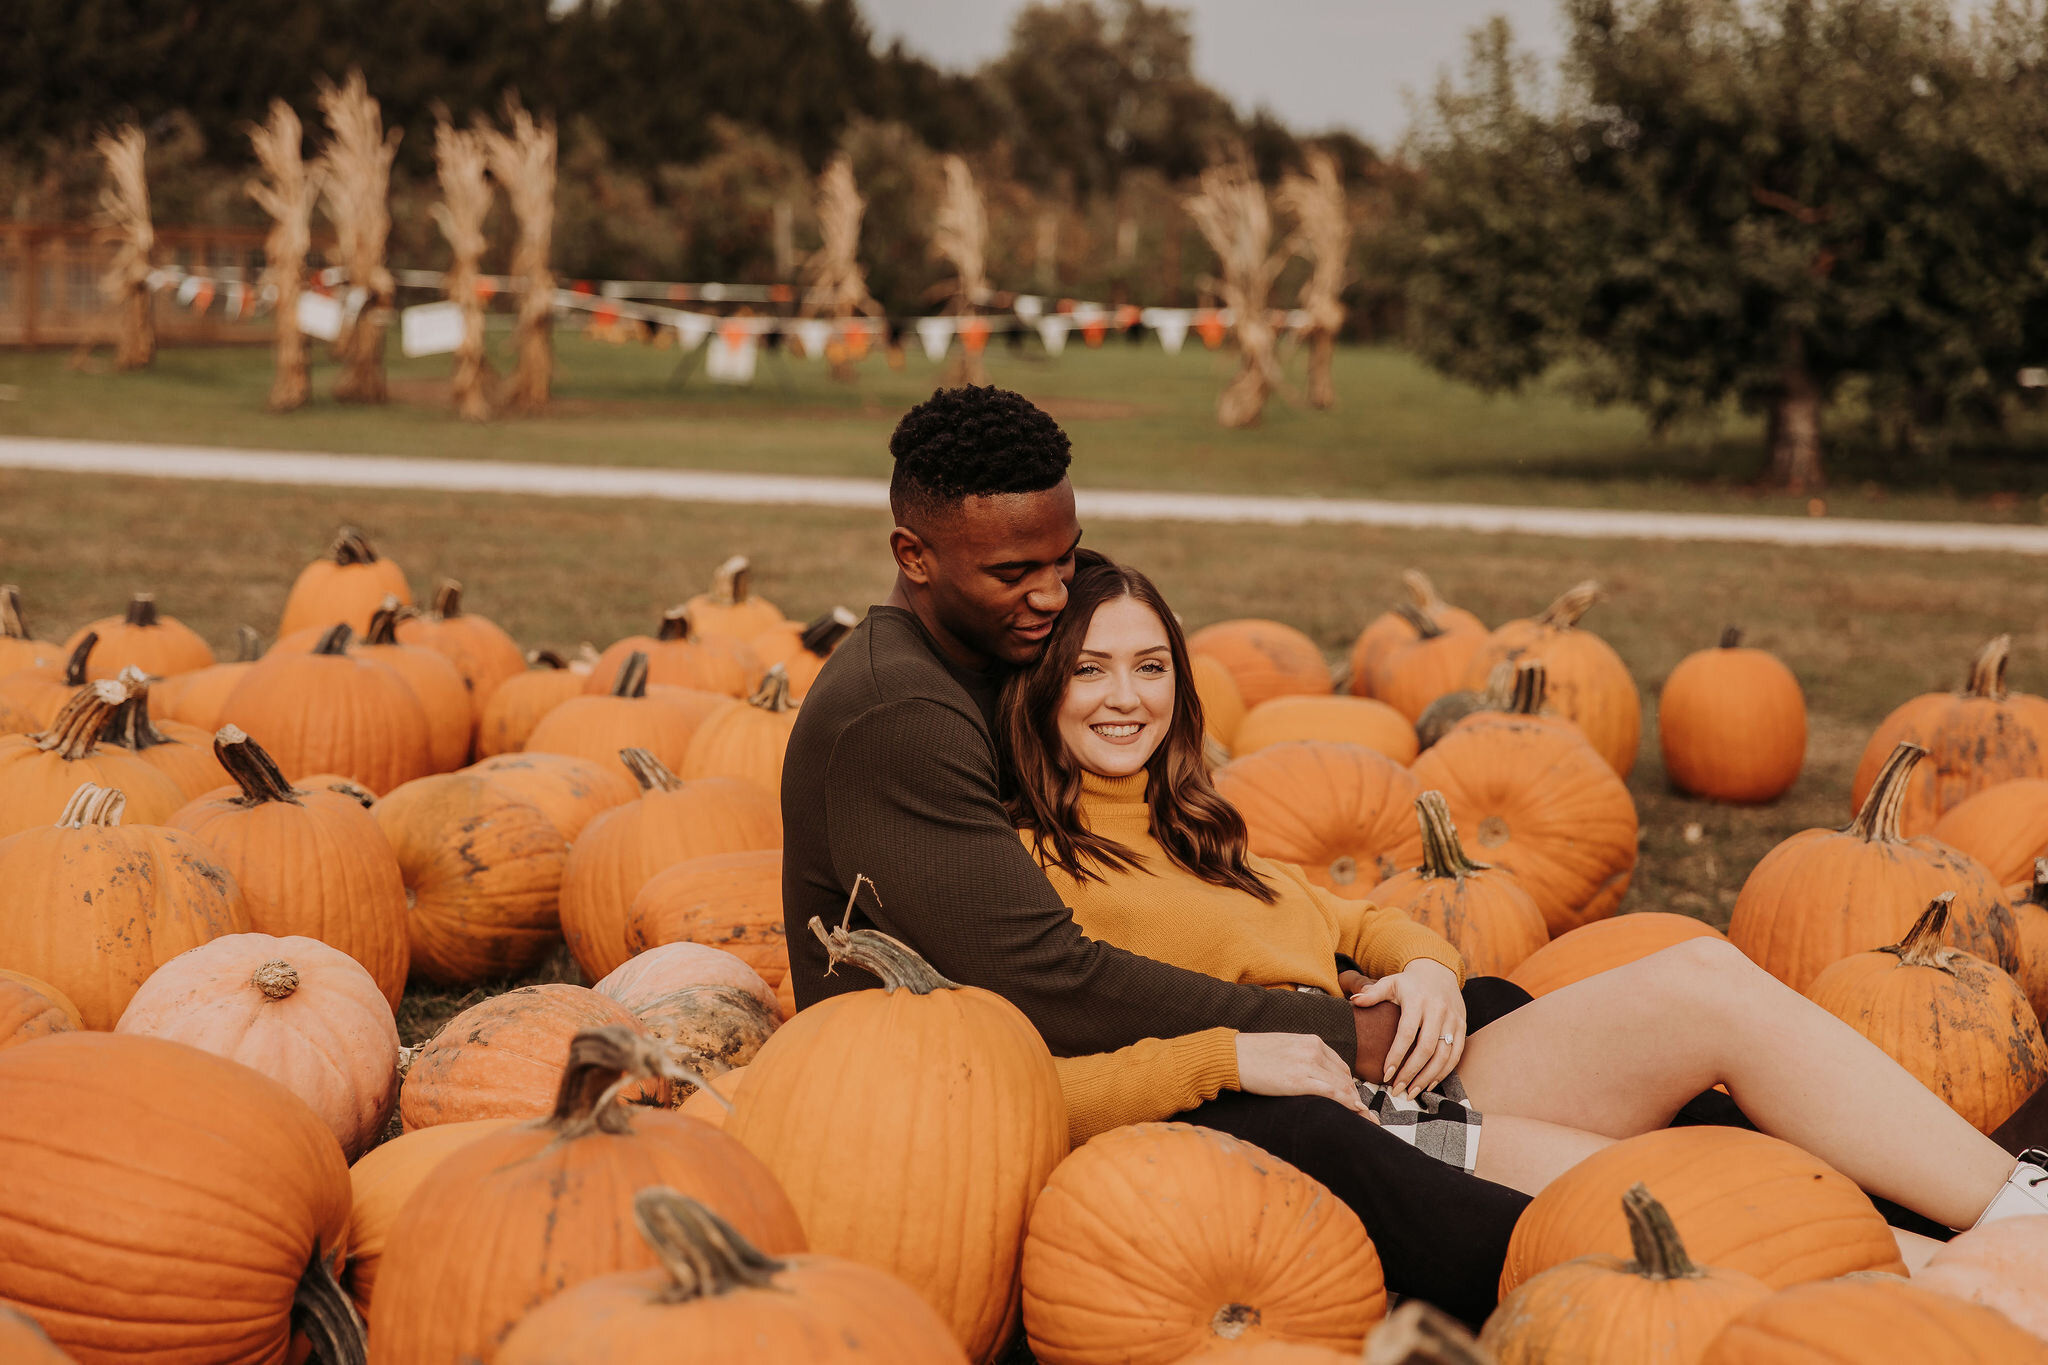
1710 971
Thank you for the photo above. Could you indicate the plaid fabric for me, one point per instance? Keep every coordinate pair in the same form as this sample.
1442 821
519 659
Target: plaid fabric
1440 1122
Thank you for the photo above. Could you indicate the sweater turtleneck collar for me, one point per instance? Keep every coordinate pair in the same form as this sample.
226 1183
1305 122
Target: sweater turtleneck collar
1116 806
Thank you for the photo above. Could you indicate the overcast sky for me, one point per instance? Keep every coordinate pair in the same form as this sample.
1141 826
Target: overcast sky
1317 63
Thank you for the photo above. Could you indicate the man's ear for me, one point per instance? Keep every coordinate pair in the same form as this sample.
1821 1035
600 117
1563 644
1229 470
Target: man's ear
911 555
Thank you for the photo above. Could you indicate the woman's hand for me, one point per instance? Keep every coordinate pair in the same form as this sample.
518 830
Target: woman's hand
1295 1064
1431 1038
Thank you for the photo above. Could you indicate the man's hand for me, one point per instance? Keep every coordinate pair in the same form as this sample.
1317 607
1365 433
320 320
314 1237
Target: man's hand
1294 1064
1431 1036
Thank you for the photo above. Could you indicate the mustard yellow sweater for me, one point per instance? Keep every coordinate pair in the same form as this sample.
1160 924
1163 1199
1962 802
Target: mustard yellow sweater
1163 912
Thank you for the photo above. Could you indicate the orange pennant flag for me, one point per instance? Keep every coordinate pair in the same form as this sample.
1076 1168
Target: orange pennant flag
974 334
1209 326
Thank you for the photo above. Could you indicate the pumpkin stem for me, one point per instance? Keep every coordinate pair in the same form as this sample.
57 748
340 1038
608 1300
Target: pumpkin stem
12 627
705 1255
545 658
77 728
129 727
1922 945
675 625
650 771
602 1063
1878 821
253 770
350 547
1528 688
1987 670
276 978
142 609
335 641
1419 1334
1421 619
731 582
2037 894
899 967
1573 603
1660 1253
772 695
74 666
324 1314
823 635
1442 854
448 600
248 644
93 806
632 679
384 622
1422 592
1499 692
1731 638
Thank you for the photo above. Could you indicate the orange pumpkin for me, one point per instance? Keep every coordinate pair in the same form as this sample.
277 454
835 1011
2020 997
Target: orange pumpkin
677 657
730 608
746 739
381 1182
329 711
1536 799
508 718
1871 1322
32 1009
1975 738
1732 723
621 850
1589 684
346 584
1604 945
1410 674
443 693
2001 1265
1335 720
1343 812
848 1131
1962 1027
17 649
2030 917
308 860
717 1299
479 648
503 1057
1391 628
730 901
483 876
803 649
1266 659
1155 1241
570 791
1481 909
1824 894
629 717
294 1009
2003 827
31 697
1223 709
24 1343
1654 1306
158 645
134 897
184 753
196 698
1741 1200
513 1218
710 1029
168 1205
40 772
661 971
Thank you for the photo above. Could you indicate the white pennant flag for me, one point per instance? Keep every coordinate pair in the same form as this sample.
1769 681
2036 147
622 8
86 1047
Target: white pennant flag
1053 332
320 316
188 290
692 328
815 334
432 328
1029 307
936 334
1171 325
731 357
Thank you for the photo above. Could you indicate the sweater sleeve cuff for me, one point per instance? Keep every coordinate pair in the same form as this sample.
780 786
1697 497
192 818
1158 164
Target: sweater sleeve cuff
1414 943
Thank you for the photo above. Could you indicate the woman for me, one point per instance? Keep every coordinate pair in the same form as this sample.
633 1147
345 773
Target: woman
1105 741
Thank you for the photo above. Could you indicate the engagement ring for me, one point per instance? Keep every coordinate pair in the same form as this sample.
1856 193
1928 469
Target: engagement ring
1443 1037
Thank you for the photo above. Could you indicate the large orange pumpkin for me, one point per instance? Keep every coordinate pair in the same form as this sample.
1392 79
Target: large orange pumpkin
1656 1306
442 691
570 791
346 584
730 607
718 1299
1392 628
1732 723
479 648
1741 1200
329 711
1534 798
621 850
101 905
1604 945
1343 812
2002 1265
507 719
1962 1026
648 976
382 1180
1223 707
1975 738
746 739
627 717
731 901
513 1218
2030 918
678 657
2003 827
1266 659
31 697
803 649
18 649
1155 1241
1334 720
502 1057
158 645
710 1029
483 876
1410 674
855 1136
168 1205
300 1012
40 772
1824 894
184 753
309 860
1872 1322
196 698
1589 684
1481 909
32 1009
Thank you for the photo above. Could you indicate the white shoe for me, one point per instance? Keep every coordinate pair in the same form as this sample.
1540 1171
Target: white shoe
2024 1192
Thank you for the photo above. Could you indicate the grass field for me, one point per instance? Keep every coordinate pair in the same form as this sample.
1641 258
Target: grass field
1139 419
1863 629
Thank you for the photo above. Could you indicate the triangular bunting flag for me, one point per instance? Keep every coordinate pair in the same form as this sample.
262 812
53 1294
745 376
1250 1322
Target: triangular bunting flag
936 334
1171 324
692 328
731 357
1053 332
815 334
1029 307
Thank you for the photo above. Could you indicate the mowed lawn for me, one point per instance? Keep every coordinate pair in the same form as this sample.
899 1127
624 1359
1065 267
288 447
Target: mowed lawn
1139 419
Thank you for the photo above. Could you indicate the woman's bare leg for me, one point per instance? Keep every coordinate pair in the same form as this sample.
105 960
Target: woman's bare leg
1527 1154
1916 1251
1619 1053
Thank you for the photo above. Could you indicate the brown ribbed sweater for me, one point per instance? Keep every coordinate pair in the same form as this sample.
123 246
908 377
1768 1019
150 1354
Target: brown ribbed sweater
892 772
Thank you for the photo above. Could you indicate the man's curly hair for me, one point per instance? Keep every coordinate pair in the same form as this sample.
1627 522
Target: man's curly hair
971 442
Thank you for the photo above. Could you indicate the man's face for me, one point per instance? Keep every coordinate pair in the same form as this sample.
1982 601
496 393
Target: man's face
996 569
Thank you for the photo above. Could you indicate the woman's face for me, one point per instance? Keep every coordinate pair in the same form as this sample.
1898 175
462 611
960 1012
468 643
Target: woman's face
1119 700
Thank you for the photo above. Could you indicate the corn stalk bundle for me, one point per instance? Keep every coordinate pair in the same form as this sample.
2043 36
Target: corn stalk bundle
1322 237
461 163
523 163
1230 209
357 192
124 220
288 191
838 286
960 238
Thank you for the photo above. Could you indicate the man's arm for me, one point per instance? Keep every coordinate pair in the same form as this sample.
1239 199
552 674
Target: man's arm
913 805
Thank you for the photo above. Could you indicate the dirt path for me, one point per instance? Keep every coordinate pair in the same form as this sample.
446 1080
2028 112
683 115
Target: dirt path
683 485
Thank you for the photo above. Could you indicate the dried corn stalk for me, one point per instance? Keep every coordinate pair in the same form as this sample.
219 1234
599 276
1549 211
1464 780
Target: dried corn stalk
960 238
838 287
288 191
357 192
124 220
523 163
1230 209
1322 236
461 163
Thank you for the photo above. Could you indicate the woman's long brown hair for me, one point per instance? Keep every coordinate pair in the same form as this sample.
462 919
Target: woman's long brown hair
1200 831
